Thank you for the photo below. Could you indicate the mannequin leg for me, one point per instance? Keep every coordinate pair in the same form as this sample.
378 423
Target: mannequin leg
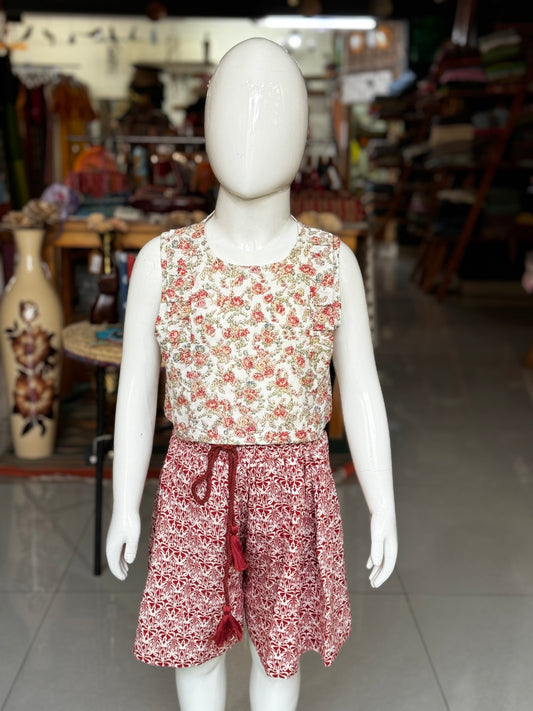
203 687
271 694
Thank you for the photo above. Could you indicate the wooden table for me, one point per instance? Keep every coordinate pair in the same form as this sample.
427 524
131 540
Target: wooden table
60 248
81 343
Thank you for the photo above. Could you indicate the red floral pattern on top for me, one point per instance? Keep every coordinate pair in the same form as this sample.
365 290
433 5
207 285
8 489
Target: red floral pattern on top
247 348
293 592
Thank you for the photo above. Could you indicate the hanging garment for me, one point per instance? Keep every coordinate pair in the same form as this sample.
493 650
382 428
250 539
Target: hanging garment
16 171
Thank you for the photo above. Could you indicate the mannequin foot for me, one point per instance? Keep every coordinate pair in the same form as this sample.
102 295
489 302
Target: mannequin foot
271 694
203 687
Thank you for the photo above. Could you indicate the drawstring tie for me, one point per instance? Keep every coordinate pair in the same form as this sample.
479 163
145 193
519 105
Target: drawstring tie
228 626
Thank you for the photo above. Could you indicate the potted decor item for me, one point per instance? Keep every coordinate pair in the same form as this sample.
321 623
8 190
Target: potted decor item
105 308
31 320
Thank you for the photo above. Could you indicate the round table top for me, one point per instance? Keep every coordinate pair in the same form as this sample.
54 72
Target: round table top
80 342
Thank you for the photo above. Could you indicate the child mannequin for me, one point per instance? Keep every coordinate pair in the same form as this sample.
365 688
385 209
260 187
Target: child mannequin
256 127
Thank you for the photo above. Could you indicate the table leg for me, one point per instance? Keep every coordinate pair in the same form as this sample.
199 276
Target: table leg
100 411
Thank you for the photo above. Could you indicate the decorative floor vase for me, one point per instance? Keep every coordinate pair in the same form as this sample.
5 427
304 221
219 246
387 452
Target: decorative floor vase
31 321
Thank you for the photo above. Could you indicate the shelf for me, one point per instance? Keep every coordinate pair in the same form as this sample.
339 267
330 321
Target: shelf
194 69
490 90
119 138
441 256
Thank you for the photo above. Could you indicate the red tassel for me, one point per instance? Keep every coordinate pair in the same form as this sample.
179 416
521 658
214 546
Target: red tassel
228 627
239 563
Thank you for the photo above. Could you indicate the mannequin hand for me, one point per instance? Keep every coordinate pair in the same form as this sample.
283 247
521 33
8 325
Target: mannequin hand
121 544
384 549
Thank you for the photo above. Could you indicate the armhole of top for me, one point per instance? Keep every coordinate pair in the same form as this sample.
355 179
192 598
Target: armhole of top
337 277
163 255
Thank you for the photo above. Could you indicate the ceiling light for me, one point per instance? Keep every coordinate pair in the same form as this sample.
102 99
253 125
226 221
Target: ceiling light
318 22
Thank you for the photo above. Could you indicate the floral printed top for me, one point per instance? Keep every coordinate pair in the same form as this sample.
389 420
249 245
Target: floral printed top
247 348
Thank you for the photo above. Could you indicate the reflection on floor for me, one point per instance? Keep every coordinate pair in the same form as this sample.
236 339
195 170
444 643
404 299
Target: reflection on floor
452 629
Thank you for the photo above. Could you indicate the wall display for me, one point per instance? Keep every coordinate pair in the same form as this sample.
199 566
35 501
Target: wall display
363 87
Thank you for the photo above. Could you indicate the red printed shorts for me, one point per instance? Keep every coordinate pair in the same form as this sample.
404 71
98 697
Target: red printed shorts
279 502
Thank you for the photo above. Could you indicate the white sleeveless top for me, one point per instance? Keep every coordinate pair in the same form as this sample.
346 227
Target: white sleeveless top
247 349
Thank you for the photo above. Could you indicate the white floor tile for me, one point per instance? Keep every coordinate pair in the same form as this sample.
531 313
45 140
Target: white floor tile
20 617
466 540
481 647
40 525
82 660
382 666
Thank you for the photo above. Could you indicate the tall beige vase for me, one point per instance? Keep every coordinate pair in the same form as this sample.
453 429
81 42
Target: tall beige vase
31 321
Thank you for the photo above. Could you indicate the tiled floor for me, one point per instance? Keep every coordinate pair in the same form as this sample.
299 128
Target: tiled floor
452 629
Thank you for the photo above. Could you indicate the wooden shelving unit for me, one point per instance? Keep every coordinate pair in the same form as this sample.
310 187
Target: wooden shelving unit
440 256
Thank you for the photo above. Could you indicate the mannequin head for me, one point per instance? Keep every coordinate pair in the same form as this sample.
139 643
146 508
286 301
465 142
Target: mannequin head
256 119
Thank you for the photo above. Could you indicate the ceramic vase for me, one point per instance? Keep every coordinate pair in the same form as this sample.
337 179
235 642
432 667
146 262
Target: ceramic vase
31 322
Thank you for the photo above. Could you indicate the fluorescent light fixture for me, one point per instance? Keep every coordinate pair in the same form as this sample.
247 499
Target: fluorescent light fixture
318 22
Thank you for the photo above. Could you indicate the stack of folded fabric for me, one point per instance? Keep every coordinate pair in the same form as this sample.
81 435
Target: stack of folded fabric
399 100
376 199
502 55
451 143
383 153
520 150
526 202
489 125
462 71
524 219
454 206
458 67
392 107
501 207
416 153
418 211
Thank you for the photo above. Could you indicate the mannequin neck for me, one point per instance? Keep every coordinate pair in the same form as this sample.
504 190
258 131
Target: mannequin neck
251 231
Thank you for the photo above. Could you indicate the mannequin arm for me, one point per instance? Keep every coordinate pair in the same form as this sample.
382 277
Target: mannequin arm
136 409
365 419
